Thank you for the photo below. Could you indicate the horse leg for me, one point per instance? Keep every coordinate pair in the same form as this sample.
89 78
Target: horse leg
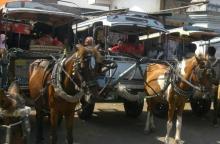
53 122
179 123
147 124
69 127
169 121
39 121
149 121
216 102
152 124
215 112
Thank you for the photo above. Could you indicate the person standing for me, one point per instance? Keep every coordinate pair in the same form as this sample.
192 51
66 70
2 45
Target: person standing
4 61
2 46
216 66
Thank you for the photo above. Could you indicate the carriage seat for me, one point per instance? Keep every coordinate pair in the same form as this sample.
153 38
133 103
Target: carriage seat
46 48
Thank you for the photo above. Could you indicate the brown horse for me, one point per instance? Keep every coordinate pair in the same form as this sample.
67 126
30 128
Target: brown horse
163 81
57 88
10 101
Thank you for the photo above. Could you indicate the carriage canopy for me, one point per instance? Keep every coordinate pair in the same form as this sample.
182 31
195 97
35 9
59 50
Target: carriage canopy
40 12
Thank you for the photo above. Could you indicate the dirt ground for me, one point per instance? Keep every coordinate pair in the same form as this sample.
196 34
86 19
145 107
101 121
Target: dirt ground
109 125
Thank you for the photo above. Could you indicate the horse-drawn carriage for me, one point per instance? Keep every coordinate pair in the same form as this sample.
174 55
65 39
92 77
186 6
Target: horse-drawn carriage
124 83
57 85
181 43
34 31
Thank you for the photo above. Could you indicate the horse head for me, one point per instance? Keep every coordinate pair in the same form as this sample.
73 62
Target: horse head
11 99
83 70
201 76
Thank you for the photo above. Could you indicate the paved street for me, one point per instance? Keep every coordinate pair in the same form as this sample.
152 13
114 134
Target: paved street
109 125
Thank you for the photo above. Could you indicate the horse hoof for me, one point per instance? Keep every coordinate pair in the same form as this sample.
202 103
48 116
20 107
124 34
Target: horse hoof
178 142
166 141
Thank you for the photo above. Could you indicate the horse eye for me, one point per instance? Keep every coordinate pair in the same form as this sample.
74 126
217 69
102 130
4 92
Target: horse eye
202 64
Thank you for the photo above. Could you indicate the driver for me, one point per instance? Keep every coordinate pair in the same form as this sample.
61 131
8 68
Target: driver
130 47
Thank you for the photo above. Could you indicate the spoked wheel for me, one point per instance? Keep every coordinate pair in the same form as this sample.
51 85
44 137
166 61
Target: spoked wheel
133 108
87 110
200 107
160 109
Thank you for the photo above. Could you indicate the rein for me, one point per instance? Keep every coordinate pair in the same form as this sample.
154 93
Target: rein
171 80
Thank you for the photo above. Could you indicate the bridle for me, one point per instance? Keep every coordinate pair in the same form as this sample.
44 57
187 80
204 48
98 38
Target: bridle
78 71
198 72
174 77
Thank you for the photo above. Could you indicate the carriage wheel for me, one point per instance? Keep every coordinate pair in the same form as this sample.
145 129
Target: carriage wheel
133 108
87 110
200 106
160 109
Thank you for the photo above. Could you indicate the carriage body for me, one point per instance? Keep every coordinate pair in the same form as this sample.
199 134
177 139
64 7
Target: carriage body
106 31
24 23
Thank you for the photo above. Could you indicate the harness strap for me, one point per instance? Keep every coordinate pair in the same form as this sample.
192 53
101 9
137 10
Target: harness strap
48 69
160 93
56 82
180 91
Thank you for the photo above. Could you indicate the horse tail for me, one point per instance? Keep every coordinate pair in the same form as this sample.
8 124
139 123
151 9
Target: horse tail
33 65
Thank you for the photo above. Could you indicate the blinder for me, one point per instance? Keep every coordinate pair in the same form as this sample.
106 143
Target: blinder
203 70
81 67
89 81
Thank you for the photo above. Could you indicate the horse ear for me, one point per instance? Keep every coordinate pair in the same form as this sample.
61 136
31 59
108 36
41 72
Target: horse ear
78 46
97 46
97 54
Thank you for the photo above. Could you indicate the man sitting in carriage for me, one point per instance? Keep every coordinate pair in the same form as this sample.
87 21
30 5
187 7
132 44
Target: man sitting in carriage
131 46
